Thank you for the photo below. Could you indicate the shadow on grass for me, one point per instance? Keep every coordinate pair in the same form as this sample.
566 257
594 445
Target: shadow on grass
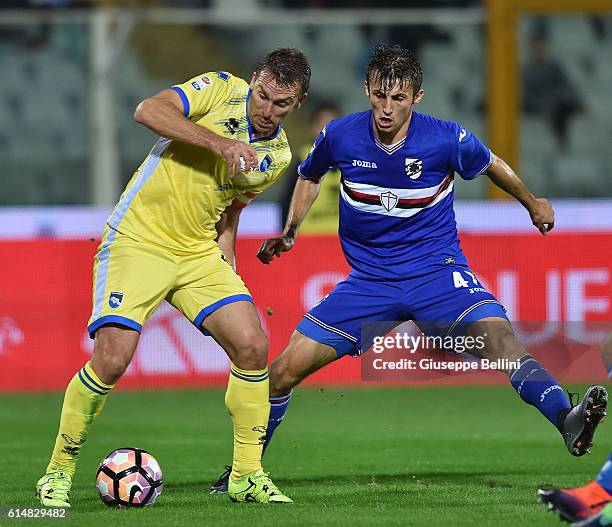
467 478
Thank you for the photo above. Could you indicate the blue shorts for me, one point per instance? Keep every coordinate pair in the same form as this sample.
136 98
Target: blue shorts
442 303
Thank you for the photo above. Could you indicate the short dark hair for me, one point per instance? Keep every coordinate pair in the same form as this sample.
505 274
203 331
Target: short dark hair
288 66
391 64
324 105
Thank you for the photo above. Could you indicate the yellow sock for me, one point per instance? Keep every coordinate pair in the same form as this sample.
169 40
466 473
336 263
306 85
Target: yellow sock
247 402
84 400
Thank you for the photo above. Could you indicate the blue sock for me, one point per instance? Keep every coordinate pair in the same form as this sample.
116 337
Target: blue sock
537 387
604 478
278 408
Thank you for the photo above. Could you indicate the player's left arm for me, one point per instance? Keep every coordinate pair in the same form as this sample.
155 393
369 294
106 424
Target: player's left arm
541 212
227 229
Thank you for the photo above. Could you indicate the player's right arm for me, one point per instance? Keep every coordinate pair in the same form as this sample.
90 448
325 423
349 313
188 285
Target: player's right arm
306 190
167 115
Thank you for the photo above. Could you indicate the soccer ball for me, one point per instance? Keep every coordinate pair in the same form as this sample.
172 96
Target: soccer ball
129 477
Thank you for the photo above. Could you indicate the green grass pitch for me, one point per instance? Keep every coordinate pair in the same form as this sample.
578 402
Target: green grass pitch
366 456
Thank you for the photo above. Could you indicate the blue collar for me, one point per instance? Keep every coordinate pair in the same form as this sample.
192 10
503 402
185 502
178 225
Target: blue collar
251 130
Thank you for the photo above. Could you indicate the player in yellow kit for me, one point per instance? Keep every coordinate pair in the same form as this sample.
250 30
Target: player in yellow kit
171 236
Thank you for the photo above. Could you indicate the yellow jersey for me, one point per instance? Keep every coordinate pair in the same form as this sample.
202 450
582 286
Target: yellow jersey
178 194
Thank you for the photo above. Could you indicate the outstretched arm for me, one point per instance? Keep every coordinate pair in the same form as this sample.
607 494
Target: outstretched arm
541 213
304 194
163 113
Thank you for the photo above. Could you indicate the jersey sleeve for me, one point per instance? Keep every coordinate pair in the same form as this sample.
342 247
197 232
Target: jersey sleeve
319 160
471 157
204 92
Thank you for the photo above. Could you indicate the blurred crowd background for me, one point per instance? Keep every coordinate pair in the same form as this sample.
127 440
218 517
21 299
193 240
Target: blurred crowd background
47 137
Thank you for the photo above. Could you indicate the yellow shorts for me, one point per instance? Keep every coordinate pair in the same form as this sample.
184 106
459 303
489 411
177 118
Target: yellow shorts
131 279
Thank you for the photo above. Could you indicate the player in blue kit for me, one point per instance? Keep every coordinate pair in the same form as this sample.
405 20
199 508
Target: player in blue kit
591 504
398 233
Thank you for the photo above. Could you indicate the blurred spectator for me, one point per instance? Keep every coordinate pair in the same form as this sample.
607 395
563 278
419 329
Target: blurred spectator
50 3
547 90
15 4
417 36
360 4
37 4
599 27
31 37
232 6
323 215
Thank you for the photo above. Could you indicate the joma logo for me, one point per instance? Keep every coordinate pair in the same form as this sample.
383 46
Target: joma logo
364 164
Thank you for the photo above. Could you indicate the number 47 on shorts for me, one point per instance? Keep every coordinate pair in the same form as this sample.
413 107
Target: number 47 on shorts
460 281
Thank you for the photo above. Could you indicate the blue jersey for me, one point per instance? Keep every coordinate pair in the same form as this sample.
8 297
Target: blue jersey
396 201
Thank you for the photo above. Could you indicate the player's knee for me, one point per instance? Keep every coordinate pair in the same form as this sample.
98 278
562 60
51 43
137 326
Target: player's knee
285 373
282 377
111 356
116 366
110 365
251 351
503 344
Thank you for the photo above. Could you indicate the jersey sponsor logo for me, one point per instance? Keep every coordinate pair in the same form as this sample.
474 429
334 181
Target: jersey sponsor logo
364 164
414 167
265 163
222 75
232 125
115 299
203 82
388 200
